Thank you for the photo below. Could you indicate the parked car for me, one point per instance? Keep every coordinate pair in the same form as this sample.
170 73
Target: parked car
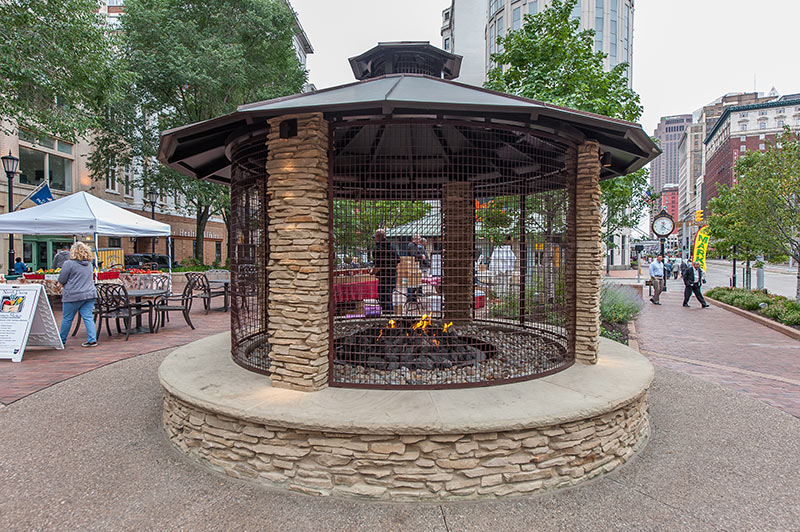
137 259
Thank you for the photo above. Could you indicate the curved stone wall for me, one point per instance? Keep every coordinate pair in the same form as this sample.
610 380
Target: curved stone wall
409 466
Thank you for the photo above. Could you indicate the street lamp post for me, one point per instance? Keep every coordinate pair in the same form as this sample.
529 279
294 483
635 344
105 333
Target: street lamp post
152 199
10 165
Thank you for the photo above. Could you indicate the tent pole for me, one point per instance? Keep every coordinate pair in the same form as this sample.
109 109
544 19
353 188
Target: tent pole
96 259
169 259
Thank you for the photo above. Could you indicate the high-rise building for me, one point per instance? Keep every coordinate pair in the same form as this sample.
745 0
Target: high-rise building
690 171
664 169
470 29
744 128
669 202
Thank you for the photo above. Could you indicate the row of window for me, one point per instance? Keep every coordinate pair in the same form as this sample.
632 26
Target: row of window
765 112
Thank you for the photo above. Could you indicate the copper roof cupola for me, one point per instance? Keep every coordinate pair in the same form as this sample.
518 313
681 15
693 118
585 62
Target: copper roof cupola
405 57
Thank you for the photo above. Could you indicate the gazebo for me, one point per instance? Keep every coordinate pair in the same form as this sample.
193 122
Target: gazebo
319 175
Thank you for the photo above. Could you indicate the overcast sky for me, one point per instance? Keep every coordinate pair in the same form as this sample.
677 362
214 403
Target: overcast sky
686 52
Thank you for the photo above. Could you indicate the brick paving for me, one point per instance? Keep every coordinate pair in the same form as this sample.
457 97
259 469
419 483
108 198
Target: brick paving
43 367
721 347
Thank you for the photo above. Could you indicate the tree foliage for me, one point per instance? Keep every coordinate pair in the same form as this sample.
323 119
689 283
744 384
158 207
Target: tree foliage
194 60
552 60
761 212
58 71
355 222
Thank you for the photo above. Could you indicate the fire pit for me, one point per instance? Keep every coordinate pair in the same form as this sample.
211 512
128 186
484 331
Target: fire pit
410 232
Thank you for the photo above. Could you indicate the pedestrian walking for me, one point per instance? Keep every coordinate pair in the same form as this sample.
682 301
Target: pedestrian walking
657 279
79 292
693 280
20 267
667 272
385 261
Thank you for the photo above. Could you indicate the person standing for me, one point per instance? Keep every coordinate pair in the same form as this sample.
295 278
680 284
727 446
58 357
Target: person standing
20 267
667 272
79 292
385 260
657 279
61 257
693 279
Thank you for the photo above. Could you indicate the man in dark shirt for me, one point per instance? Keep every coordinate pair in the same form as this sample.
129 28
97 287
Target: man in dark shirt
386 260
693 280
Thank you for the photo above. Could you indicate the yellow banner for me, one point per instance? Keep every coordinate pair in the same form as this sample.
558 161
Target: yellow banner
700 246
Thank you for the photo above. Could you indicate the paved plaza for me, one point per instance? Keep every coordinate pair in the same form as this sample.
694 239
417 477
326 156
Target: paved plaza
89 453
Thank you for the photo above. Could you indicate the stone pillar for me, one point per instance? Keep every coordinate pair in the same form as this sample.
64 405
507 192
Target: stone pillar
458 243
298 267
588 253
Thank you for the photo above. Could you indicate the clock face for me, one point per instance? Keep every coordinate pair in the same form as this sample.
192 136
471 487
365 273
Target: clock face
663 226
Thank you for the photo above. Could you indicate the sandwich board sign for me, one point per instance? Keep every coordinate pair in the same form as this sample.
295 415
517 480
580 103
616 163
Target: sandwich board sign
25 319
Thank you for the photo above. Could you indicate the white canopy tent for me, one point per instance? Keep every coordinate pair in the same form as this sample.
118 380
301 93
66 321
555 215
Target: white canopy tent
82 214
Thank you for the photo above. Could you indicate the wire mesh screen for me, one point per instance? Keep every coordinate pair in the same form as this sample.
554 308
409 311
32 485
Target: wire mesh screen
449 246
249 234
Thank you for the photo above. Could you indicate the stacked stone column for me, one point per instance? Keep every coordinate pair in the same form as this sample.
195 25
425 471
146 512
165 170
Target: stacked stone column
298 267
588 253
458 234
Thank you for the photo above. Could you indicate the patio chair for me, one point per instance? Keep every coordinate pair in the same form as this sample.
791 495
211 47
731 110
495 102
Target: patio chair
116 305
201 289
166 304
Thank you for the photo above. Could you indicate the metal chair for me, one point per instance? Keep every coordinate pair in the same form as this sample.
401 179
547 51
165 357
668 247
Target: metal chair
115 304
201 289
182 303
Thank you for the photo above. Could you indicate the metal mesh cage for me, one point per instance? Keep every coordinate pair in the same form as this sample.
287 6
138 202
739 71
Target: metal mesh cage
249 282
449 254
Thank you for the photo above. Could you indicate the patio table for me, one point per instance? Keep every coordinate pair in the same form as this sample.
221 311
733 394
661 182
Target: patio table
138 295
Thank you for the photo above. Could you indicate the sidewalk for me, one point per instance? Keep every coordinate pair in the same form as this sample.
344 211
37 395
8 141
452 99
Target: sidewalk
721 347
43 367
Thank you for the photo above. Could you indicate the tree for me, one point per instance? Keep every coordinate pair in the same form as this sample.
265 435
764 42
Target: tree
194 60
355 222
58 73
762 211
552 60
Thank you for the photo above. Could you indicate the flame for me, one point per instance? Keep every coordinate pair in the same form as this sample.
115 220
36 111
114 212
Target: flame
379 336
436 342
392 324
423 322
446 326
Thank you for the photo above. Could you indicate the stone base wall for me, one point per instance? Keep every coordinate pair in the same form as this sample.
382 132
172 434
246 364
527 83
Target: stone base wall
410 466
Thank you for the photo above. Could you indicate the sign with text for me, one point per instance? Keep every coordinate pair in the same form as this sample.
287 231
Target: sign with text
701 246
25 319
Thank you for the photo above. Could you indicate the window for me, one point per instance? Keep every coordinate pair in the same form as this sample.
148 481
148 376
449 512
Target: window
114 242
111 178
447 44
761 146
35 164
127 180
495 5
533 7
742 148
499 33
491 39
576 11
744 127
743 115
742 138
65 147
218 250
516 18
762 125
116 2
780 123
612 37
761 136
763 112
626 30
447 15
599 24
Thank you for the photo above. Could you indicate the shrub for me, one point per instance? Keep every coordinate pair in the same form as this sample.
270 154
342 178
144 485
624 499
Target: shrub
777 308
619 304
611 335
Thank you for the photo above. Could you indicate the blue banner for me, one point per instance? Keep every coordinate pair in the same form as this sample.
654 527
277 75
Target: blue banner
43 195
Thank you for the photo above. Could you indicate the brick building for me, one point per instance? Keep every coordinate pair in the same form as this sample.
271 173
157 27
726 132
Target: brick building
741 129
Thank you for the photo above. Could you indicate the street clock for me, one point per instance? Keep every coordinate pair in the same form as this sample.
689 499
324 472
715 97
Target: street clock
663 224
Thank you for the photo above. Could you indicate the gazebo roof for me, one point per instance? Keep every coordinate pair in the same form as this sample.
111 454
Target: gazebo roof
199 150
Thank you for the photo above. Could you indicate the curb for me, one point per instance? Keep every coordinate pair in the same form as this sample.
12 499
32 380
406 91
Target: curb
774 325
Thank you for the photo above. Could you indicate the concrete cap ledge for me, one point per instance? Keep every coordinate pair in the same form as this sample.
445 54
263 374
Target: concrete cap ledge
202 374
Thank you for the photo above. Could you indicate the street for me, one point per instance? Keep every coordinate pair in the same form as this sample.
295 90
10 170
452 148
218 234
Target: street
777 280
